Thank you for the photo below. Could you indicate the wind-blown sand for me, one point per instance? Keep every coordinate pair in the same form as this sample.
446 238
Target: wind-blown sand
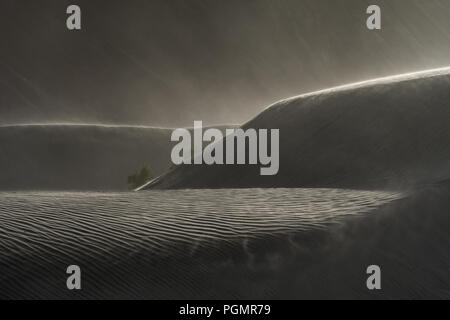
262 242
386 133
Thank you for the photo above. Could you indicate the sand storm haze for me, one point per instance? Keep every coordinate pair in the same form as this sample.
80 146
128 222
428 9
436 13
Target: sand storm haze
355 96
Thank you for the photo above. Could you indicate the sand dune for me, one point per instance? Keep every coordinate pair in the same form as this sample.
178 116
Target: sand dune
226 244
78 157
130 245
241 243
384 133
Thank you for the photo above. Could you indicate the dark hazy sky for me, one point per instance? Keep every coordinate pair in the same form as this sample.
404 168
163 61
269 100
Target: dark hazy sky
170 62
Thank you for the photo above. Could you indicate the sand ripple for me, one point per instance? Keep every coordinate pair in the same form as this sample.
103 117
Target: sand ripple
119 233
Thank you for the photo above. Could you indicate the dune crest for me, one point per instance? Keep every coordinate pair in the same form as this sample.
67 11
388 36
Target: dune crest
78 156
391 132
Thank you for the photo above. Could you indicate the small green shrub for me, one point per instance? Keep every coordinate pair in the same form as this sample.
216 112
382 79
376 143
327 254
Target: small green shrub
140 177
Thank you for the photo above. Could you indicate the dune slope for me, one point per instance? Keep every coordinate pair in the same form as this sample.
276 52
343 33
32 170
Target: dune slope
389 132
257 244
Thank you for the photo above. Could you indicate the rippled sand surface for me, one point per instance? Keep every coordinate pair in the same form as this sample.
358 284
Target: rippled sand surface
158 243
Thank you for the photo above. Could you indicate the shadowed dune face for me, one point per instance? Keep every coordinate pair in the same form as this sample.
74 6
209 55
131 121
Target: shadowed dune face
78 157
387 133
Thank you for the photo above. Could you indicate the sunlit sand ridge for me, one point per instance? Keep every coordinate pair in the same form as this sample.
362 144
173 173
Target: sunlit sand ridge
383 133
